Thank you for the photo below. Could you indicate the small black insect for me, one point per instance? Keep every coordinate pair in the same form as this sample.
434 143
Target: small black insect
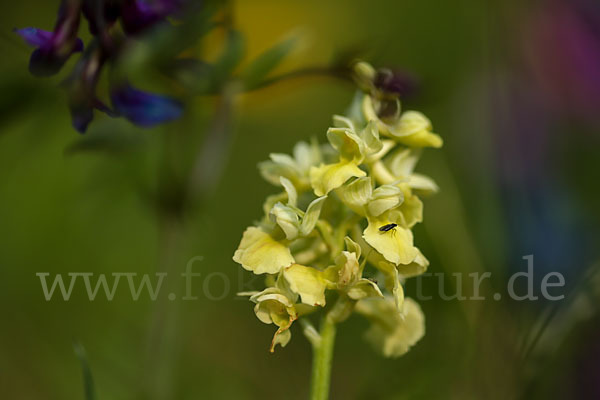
387 227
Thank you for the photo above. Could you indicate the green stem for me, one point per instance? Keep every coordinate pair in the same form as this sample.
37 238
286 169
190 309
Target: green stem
322 356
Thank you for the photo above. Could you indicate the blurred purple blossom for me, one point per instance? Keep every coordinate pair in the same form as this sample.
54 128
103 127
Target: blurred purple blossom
563 53
35 37
143 108
394 83
54 48
81 89
138 15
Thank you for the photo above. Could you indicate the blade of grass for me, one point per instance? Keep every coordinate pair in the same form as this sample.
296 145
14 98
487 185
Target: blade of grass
88 381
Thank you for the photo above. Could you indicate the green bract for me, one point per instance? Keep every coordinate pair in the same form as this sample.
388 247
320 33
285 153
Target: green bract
321 241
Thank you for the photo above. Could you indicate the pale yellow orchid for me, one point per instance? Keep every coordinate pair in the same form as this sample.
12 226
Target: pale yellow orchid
345 217
346 274
410 128
327 177
308 282
360 196
394 274
396 244
353 147
398 167
260 253
295 169
275 306
392 333
265 249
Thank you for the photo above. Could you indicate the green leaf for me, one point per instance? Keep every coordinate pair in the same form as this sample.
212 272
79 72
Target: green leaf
261 66
229 59
88 381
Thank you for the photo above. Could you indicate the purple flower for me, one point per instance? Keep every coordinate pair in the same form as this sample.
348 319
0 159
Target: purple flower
54 48
138 15
81 88
34 36
143 108
562 49
394 84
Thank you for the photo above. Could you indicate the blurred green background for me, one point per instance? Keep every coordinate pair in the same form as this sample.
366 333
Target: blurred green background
518 175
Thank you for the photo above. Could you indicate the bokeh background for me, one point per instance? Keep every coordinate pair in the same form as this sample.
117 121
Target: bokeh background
512 86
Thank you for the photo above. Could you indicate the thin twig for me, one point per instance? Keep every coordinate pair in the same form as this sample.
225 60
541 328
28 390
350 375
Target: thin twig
341 73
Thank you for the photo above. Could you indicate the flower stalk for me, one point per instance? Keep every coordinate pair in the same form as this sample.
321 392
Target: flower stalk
322 360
